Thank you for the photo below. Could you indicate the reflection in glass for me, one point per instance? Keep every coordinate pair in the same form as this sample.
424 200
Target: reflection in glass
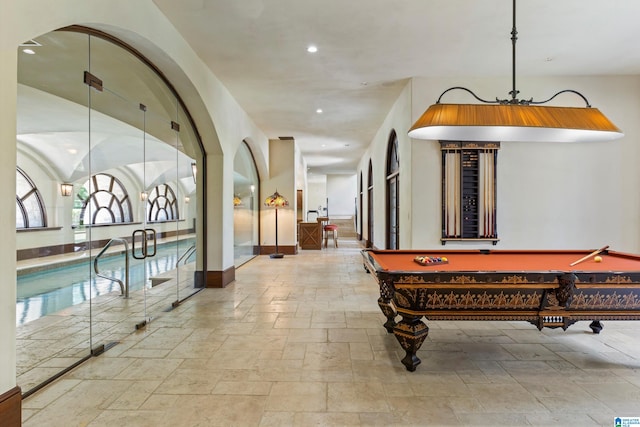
245 212
129 137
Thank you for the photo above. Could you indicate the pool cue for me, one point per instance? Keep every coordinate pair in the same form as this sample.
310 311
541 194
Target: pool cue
455 196
493 193
594 253
487 195
447 168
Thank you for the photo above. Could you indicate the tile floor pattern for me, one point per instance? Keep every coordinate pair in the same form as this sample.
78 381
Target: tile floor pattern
299 342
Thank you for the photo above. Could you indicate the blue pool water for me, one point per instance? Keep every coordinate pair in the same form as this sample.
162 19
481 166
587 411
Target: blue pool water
57 288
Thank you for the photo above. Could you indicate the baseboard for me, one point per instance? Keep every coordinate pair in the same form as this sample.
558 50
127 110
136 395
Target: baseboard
11 408
287 250
215 279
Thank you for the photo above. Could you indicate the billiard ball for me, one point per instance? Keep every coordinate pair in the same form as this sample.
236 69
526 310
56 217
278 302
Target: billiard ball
597 258
443 259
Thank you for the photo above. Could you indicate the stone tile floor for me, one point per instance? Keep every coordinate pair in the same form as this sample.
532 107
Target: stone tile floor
299 341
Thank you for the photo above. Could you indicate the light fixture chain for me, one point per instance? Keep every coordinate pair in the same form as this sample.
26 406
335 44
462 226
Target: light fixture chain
514 38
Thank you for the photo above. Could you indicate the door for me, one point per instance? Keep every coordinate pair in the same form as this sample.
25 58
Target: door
106 172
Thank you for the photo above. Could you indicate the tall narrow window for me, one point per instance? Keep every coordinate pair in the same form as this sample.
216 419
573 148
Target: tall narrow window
393 193
469 190
360 204
30 211
370 206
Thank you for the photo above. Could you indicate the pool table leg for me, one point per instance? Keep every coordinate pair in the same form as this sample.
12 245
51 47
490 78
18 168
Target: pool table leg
596 326
389 312
386 305
411 332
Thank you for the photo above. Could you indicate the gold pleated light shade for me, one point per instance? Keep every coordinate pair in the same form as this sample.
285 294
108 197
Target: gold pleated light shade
511 122
276 200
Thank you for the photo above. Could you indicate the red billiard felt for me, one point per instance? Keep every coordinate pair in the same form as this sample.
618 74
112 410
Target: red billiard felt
507 260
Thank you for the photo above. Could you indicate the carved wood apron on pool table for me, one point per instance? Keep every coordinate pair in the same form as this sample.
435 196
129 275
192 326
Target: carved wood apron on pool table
552 299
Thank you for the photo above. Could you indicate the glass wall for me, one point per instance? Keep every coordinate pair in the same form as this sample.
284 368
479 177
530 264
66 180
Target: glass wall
106 232
245 206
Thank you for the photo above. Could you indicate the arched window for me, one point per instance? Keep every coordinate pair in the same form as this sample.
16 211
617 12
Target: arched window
162 204
104 201
370 206
30 212
393 193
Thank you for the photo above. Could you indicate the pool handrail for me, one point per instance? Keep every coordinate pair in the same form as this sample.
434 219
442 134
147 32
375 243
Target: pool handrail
124 287
185 256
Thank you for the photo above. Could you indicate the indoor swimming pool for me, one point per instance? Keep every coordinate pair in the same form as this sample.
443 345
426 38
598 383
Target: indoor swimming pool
58 288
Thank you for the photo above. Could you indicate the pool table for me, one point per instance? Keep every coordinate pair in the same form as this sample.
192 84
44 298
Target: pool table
538 286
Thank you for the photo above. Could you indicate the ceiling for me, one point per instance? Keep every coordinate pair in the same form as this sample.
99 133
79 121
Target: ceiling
368 49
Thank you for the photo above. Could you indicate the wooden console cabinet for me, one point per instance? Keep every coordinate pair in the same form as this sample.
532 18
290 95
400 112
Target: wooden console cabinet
310 235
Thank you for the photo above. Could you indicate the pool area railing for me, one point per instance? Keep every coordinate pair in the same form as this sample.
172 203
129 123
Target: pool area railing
124 287
185 256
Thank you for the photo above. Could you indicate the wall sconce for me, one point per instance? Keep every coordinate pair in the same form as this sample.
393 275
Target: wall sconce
186 199
143 196
253 188
237 201
66 189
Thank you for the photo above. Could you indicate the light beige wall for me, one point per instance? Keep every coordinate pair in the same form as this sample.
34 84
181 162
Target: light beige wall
549 195
341 193
283 179
8 89
398 119
140 24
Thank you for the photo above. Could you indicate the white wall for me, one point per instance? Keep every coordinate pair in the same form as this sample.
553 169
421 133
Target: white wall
399 120
341 195
549 195
316 192
149 31
8 88
283 179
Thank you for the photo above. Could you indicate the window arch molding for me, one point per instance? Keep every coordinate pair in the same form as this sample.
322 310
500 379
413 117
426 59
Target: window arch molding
162 204
105 201
30 209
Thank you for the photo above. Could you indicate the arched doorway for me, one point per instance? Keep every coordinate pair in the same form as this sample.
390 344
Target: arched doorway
114 152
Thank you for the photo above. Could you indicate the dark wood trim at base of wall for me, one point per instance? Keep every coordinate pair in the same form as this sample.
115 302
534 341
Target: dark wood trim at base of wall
30 253
214 279
287 250
11 408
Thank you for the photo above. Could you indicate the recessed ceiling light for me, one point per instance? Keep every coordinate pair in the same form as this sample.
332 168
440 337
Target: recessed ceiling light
324 145
319 111
312 49
29 51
